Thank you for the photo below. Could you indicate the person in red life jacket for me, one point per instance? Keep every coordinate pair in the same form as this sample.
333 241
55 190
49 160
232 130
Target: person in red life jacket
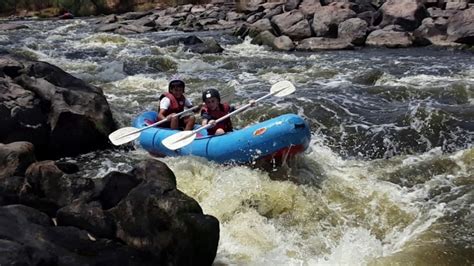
213 109
173 102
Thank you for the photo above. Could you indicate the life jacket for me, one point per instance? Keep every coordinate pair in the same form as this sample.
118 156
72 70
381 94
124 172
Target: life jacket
176 105
221 111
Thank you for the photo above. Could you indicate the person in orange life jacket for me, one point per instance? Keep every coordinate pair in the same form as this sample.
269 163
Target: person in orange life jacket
213 109
173 102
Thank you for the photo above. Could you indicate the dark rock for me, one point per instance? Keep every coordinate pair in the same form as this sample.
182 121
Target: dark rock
15 158
87 216
155 217
114 187
60 114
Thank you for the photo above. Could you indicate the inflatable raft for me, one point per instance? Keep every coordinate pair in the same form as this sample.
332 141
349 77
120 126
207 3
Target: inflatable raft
282 136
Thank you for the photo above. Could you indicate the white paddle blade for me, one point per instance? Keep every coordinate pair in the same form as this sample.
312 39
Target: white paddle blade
123 135
282 88
178 140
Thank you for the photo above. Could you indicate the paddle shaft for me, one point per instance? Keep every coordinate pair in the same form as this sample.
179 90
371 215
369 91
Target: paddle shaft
160 122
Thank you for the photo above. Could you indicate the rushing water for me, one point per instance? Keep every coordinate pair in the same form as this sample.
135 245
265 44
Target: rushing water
388 178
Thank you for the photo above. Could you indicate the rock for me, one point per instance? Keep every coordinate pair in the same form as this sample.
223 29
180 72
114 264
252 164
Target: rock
432 31
260 26
293 24
156 217
308 7
354 30
134 15
389 39
60 114
29 237
50 188
10 26
283 43
321 43
461 27
327 18
264 38
406 13
290 5
15 158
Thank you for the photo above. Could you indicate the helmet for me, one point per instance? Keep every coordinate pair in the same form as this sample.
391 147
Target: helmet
176 80
209 93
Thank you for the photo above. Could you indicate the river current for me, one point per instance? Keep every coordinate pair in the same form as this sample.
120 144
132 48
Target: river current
389 175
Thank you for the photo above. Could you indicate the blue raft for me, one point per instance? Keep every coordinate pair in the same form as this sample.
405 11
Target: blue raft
276 138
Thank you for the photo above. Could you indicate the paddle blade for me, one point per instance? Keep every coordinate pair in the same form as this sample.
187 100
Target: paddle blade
179 140
123 135
282 88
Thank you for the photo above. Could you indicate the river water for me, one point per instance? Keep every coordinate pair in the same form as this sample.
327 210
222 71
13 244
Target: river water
388 178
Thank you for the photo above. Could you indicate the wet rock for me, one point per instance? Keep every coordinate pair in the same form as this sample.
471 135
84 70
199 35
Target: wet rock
87 216
264 38
283 43
49 188
321 43
389 39
15 158
10 26
29 236
156 217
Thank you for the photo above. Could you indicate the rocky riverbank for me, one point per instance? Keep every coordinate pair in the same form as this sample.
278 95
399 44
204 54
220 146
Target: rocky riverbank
311 25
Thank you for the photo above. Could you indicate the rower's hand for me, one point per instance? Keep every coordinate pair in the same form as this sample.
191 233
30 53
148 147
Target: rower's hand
252 103
212 122
168 118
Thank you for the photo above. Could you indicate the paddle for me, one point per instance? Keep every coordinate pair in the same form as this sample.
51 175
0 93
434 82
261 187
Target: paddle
127 134
183 138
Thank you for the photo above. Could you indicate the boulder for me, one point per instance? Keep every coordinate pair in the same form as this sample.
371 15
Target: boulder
461 27
283 43
15 158
389 39
59 114
293 24
354 30
406 13
327 18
